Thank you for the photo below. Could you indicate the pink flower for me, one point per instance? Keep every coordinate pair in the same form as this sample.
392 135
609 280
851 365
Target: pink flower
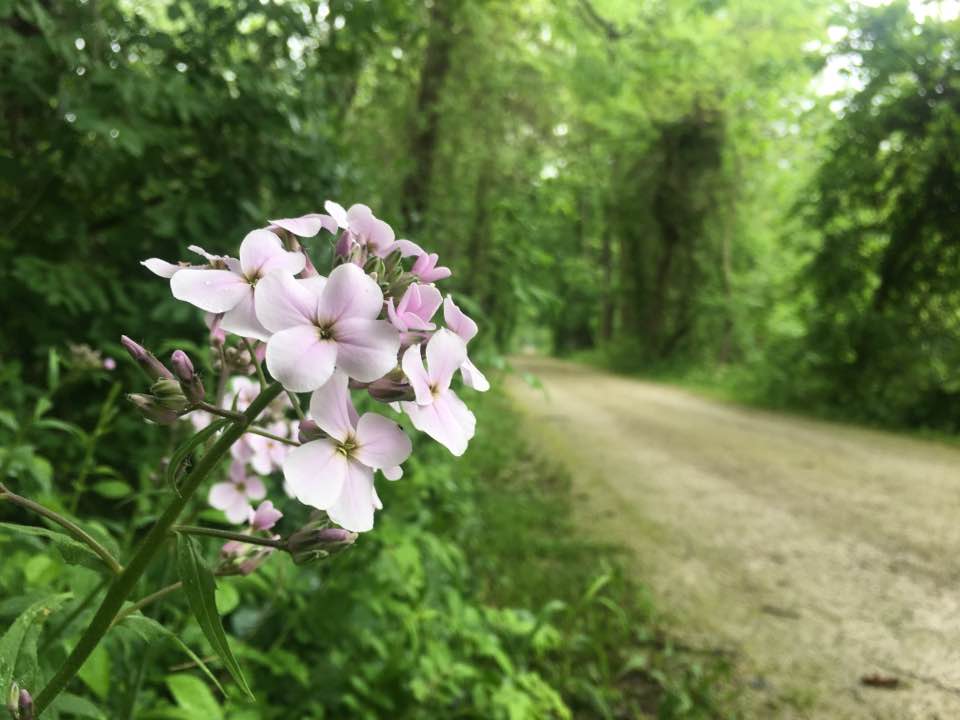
466 328
364 227
234 495
336 473
232 290
437 410
425 268
264 517
267 454
415 309
321 324
109 363
307 226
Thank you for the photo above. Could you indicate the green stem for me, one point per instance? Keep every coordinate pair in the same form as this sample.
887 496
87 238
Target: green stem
230 535
268 434
71 527
143 602
220 412
124 583
256 363
231 415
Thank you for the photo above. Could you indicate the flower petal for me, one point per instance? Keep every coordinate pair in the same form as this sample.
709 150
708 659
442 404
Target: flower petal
473 378
446 352
242 319
457 321
349 292
337 212
353 510
223 495
258 250
392 473
254 488
265 516
366 349
307 225
215 291
315 473
299 359
408 248
161 267
330 407
238 511
447 420
380 442
412 364
284 302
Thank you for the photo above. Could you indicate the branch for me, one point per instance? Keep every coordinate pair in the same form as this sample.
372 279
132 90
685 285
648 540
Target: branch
608 28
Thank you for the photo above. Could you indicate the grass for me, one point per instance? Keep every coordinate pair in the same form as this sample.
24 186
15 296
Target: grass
737 385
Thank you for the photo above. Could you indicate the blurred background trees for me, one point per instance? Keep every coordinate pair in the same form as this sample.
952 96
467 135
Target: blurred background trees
757 192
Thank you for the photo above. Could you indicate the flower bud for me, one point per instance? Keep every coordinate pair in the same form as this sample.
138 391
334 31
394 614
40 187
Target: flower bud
390 389
311 543
145 359
25 703
13 700
190 382
152 410
309 430
182 365
169 394
374 266
344 245
392 261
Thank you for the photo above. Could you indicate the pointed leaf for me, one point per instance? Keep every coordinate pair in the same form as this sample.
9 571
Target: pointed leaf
18 646
72 552
149 630
200 587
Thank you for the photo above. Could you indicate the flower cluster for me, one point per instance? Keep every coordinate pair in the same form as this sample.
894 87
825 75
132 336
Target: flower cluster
369 325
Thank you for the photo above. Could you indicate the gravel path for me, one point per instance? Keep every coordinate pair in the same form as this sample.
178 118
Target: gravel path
821 553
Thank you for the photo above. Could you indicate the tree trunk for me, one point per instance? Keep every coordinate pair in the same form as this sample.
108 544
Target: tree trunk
423 144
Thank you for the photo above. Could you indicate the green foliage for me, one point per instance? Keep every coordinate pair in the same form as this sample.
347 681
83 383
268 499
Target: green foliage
883 339
200 587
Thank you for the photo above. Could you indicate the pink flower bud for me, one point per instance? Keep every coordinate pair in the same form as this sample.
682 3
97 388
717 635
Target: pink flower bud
308 431
344 244
189 381
24 706
152 410
312 543
145 359
182 366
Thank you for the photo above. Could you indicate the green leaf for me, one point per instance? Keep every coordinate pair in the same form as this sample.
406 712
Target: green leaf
149 630
9 420
112 489
95 672
227 597
54 424
18 646
72 552
75 706
194 697
200 587
180 455
53 370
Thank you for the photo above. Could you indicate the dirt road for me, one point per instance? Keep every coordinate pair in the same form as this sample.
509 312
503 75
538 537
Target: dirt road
820 552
